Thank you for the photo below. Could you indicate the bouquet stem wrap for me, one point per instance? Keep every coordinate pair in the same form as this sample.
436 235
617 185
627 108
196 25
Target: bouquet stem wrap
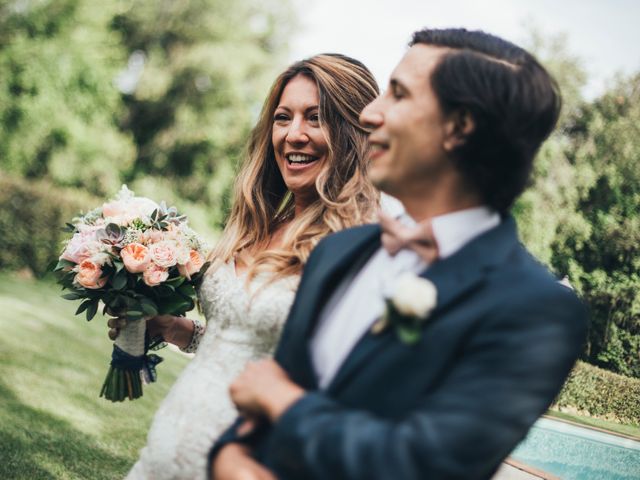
130 364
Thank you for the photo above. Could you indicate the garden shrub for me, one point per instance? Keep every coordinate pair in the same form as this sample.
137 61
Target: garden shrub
32 214
603 394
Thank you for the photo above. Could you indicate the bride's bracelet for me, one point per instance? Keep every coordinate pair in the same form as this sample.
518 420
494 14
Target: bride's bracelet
198 332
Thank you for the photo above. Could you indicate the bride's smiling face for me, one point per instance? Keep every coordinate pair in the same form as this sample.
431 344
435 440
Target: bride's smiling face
299 142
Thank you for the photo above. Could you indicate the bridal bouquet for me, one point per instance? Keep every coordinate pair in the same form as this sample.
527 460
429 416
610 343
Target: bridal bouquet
140 259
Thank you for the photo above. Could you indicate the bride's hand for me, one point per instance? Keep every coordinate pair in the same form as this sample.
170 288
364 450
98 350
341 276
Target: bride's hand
158 325
264 389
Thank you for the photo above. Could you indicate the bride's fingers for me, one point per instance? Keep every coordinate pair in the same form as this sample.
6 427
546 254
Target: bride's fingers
246 427
113 333
117 322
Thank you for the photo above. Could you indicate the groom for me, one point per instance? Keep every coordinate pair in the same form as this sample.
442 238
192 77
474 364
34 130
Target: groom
443 380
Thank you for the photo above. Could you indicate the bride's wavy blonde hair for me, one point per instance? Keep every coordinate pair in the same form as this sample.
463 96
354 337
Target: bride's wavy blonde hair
346 198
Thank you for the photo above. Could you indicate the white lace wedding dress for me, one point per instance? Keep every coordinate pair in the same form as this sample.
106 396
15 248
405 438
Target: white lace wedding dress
241 326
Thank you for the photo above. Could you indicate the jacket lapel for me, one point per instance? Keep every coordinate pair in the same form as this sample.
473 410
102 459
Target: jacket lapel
452 277
350 248
354 249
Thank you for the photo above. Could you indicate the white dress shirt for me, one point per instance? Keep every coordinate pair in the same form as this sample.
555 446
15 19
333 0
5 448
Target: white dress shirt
359 299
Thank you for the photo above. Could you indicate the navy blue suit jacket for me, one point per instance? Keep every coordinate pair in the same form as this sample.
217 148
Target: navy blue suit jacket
492 357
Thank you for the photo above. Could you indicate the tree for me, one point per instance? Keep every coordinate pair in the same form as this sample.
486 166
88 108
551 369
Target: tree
58 103
552 199
581 215
157 93
603 256
203 71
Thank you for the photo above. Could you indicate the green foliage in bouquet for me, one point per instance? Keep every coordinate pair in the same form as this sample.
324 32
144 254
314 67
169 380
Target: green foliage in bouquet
129 294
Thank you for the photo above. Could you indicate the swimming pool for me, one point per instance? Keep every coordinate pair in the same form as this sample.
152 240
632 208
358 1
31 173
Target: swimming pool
576 453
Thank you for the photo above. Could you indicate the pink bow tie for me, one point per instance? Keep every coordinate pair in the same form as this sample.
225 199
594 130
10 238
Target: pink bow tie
419 238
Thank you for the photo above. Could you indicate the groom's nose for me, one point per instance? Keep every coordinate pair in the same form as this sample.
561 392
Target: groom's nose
371 117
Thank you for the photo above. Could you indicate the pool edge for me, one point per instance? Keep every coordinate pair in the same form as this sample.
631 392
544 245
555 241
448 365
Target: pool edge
528 469
591 427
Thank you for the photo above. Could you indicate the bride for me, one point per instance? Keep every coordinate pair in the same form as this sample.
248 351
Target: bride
303 177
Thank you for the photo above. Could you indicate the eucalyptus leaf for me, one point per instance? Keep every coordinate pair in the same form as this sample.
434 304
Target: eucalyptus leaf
62 264
119 280
134 315
175 282
83 306
72 296
187 290
149 307
92 309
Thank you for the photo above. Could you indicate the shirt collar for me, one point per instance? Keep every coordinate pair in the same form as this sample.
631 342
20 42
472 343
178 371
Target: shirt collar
454 230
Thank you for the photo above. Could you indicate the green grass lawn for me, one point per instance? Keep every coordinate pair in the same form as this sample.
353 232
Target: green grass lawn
53 425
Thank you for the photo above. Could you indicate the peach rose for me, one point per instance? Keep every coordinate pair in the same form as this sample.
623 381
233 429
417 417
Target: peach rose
192 266
155 275
136 257
90 275
164 254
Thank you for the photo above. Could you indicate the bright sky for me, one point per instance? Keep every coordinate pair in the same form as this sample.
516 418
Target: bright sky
604 33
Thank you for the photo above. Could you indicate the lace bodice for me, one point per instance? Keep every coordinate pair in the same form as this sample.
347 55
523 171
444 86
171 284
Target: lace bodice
246 314
243 323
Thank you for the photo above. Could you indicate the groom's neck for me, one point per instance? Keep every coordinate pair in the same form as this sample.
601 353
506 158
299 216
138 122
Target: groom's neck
439 199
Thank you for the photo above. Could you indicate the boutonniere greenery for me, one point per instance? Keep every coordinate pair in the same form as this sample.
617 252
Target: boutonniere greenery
409 307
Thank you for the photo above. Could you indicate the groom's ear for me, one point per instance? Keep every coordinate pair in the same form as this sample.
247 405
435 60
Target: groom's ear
460 124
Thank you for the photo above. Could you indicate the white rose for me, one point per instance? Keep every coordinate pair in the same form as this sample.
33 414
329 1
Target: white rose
143 207
414 296
123 212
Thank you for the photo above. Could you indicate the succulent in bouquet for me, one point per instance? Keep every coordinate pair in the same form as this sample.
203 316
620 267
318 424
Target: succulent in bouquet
138 259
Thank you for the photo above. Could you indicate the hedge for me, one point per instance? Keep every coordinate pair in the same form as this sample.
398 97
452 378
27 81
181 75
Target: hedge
603 394
32 214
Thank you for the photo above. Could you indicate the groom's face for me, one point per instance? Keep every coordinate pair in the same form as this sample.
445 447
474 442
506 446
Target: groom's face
408 127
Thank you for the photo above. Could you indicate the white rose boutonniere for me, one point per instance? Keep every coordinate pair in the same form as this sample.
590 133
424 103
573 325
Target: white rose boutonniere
412 302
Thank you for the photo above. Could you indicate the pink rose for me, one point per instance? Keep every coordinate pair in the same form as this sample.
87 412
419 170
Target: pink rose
192 266
79 247
164 254
153 236
90 275
155 275
135 257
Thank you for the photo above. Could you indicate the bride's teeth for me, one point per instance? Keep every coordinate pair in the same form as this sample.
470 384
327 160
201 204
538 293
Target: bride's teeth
299 158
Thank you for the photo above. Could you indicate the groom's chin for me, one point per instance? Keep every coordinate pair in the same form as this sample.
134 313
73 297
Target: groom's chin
384 184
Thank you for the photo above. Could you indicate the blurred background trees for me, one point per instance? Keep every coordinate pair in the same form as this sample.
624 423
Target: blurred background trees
581 216
158 94
161 95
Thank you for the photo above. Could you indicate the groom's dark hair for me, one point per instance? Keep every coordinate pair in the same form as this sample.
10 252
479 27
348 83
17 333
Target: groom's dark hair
513 100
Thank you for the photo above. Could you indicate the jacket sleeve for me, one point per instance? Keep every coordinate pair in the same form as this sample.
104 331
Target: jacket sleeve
507 376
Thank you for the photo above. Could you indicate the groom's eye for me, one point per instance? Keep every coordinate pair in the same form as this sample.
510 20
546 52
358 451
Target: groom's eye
397 92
